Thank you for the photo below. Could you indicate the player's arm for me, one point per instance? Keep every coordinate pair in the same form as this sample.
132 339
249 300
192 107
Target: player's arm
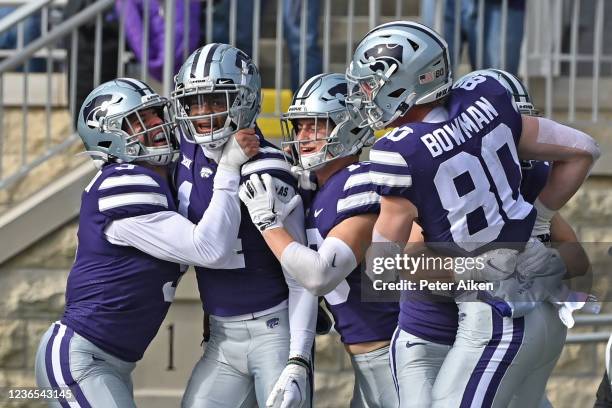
169 236
321 271
572 152
571 251
318 271
302 304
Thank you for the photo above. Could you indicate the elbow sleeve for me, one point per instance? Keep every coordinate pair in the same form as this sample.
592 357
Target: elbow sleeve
551 132
319 271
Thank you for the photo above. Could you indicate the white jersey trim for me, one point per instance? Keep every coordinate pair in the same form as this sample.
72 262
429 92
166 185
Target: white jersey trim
93 180
120 200
357 180
357 200
391 180
389 158
265 164
128 180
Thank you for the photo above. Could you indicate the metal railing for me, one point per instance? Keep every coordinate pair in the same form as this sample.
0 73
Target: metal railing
545 64
591 337
555 43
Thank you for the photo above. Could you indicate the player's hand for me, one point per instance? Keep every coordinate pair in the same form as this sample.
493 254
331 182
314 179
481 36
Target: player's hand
290 388
266 208
535 259
239 148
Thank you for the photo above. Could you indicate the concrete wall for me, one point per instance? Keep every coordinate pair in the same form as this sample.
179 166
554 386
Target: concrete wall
32 296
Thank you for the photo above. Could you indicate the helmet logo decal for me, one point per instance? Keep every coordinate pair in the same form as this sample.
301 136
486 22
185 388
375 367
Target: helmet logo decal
98 108
382 57
337 92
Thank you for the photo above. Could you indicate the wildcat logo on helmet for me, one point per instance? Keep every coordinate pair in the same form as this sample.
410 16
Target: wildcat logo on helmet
97 108
337 92
382 57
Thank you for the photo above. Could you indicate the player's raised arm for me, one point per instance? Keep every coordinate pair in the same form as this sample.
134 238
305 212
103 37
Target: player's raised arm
170 236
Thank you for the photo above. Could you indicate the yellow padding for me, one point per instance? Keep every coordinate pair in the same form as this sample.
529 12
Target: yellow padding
268 103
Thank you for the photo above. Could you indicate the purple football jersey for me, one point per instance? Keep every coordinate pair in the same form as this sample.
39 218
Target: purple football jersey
464 177
118 296
255 281
535 174
348 193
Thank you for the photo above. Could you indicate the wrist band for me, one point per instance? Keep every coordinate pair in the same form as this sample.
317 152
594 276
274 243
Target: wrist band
301 361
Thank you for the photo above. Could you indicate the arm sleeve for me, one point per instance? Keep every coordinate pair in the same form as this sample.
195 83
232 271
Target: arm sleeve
326 268
302 304
169 236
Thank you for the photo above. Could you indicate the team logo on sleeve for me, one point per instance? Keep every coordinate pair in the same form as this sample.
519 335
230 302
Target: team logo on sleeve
186 161
382 57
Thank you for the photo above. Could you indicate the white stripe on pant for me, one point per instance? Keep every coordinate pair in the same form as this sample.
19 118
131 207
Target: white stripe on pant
497 360
95 378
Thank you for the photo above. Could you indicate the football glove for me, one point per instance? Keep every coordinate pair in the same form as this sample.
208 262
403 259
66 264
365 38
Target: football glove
266 208
233 155
291 388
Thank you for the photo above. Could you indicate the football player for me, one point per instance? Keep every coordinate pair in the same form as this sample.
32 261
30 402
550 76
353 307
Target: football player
126 267
261 321
452 160
339 222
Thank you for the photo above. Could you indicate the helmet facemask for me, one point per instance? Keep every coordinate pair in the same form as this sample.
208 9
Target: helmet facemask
213 125
155 144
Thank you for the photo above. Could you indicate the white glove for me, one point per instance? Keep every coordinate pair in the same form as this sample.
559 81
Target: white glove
535 259
266 208
233 156
290 389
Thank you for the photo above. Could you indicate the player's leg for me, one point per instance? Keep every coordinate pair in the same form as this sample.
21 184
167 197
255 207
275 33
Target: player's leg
94 377
220 378
268 352
545 337
492 357
43 369
485 347
416 363
374 385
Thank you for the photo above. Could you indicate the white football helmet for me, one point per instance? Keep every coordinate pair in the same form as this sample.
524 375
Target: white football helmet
216 74
323 99
106 124
396 66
